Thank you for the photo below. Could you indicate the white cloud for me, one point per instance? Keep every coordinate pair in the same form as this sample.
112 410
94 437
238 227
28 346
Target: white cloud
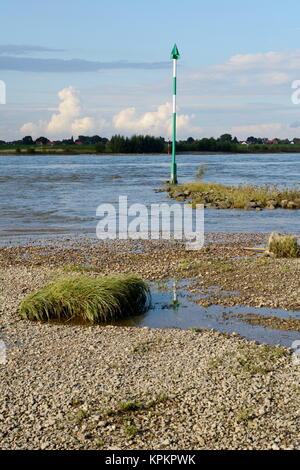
156 122
270 130
265 61
275 78
254 72
66 121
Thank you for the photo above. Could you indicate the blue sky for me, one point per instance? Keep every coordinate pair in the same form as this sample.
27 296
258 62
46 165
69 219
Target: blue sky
103 67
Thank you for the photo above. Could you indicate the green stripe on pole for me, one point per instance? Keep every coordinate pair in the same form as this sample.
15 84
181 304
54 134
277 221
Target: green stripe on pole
174 86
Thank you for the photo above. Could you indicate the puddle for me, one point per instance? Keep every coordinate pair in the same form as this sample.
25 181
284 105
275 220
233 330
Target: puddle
173 307
216 291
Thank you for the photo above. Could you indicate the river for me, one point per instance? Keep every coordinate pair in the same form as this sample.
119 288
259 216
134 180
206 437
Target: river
44 196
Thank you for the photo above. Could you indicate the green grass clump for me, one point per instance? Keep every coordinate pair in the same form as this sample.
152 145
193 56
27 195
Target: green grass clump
130 406
92 300
131 430
284 246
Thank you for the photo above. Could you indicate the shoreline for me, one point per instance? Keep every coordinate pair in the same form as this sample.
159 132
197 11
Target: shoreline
6 153
117 387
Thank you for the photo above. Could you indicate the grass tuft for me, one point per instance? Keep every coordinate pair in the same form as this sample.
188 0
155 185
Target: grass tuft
283 246
131 430
130 406
200 172
92 300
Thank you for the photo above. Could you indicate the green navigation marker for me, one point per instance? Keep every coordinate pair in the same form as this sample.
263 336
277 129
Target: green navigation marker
175 56
175 53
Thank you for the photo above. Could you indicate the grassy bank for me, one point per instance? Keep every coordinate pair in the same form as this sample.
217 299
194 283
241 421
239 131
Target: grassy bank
237 197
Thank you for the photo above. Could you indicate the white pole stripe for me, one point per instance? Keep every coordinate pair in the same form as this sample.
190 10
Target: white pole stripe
174 76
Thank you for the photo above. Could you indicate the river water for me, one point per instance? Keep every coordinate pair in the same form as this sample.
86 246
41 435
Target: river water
44 196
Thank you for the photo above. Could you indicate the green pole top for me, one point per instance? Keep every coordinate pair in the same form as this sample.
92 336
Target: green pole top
175 53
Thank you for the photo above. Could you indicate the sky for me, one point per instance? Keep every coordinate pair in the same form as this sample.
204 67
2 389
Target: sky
103 67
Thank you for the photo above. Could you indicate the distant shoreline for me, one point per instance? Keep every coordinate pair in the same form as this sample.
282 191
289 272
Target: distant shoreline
12 152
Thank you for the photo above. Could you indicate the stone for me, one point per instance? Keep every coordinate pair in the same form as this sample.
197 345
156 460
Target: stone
292 205
297 202
250 205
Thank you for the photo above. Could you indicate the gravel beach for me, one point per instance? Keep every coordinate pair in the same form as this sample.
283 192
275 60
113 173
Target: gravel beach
95 387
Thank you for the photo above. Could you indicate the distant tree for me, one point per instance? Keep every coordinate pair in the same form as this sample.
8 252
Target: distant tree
100 147
225 138
251 140
67 141
206 145
117 144
42 140
27 140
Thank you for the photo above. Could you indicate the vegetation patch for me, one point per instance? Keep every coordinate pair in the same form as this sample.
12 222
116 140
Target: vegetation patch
261 361
92 300
130 406
133 406
131 430
283 246
80 269
236 197
243 415
276 323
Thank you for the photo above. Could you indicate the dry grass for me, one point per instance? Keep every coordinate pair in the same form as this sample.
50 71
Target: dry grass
284 246
238 196
200 172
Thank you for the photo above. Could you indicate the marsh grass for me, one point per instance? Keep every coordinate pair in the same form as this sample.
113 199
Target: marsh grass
200 172
238 196
92 300
284 247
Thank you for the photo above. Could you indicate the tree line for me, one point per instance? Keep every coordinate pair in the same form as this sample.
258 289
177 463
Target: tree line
150 144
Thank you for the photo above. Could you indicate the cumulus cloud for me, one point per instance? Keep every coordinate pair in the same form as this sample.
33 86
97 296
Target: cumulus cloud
156 122
67 121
